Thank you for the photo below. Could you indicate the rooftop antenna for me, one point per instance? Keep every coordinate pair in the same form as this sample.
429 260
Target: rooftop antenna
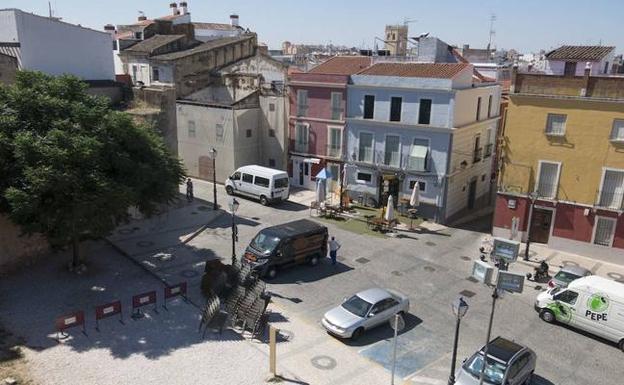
50 9
492 31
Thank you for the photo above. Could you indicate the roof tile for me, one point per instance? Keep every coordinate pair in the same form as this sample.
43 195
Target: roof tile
416 70
580 52
342 65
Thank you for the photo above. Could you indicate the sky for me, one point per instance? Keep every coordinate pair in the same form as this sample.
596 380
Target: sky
524 25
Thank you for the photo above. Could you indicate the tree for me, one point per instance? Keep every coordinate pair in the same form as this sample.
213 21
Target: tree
71 167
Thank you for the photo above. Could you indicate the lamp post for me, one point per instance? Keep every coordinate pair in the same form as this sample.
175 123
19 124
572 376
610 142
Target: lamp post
460 307
233 207
213 156
533 197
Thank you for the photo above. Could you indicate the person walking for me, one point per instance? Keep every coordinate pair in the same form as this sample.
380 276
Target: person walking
189 190
333 249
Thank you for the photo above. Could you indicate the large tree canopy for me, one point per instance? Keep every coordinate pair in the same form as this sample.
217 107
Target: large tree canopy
70 167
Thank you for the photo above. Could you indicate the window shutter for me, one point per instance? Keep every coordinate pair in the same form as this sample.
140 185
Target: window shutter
604 231
612 189
547 185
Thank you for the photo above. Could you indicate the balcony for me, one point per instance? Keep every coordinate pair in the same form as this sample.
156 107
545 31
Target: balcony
488 150
547 189
476 157
334 151
610 200
302 110
301 147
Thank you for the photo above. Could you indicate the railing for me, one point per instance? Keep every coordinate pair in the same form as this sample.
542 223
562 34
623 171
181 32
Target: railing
392 159
302 110
610 199
415 164
334 151
365 155
488 150
301 147
477 155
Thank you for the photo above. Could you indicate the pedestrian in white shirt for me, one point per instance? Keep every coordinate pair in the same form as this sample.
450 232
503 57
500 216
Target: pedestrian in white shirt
333 249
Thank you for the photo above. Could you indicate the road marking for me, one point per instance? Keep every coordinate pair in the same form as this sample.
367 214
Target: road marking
424 380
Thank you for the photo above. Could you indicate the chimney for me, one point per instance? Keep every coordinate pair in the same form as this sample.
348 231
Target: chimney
142 16
109 28
174 9
586 74
234 20
184 7
465 47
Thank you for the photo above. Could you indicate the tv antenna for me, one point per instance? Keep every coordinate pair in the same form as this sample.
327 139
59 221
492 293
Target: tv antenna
492 31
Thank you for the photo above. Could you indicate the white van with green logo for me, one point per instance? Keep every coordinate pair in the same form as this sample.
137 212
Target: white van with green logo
593 304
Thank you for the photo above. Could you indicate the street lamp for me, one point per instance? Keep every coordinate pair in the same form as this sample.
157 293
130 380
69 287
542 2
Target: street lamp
213 155
233 207
460 307
533 197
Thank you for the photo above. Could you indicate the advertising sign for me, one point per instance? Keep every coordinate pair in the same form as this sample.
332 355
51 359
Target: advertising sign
505 249
510 282
482 272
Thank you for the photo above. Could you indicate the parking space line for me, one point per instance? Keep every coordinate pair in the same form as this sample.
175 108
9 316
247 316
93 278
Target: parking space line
424 380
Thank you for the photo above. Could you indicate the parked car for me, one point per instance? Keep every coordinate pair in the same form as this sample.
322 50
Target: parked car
508 363
263 183
292 243
363 311
593 304
568 274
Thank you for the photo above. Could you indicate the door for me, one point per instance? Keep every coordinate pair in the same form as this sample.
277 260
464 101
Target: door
472 194
540 225
569 69
246 186
236 180
381 312
564 306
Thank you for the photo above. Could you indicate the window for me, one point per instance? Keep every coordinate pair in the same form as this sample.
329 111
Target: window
364 177
478 108
301 138
219 132
272 107
395 109
606 67
271 133
392 154
191 129
488 143
155 74
262 182
617 132
476 157
419 153
570 68
134 73
248 133
567 296
548 179
336 105
604 231
114 45
247 178
365 153
422 186
489 106
556 124
272 163
334 147
236 176
137 35
369 106
612 189
302 102
424 111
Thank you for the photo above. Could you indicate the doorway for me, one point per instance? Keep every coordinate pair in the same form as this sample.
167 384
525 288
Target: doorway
472 194
389 185
541 221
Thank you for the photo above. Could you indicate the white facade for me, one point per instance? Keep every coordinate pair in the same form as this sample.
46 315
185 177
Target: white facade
149 72
602 67
55 47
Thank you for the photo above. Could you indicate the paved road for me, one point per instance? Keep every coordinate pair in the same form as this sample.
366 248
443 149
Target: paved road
432 269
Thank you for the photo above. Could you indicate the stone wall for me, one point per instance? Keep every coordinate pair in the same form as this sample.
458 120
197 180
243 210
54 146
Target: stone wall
8 69
17 251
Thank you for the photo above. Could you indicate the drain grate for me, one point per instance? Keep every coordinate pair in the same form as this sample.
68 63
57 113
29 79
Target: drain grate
429 243
362 260
465 258
429 269
467 293
397 273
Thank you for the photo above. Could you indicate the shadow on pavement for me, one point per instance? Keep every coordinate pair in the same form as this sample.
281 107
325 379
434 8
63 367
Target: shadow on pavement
539 380
303 273
480 225
589 335
384 332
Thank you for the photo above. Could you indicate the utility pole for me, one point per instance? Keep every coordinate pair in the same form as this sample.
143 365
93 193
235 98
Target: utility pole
489 334
492 33
50 9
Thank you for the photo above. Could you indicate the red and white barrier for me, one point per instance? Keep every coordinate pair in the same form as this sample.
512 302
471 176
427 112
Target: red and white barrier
174 291
140 300
107 310
69 321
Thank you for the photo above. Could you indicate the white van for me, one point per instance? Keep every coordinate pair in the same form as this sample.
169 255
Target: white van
267 184
593 304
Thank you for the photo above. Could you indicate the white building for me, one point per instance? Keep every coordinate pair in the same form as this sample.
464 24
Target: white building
211 31
55 47
571 60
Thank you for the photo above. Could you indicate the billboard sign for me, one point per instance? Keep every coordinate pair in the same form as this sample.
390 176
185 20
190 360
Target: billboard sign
506 249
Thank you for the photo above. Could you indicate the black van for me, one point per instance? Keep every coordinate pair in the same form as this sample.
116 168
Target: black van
292 243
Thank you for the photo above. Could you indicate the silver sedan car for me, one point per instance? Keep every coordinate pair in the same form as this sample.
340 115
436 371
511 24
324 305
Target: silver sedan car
365 310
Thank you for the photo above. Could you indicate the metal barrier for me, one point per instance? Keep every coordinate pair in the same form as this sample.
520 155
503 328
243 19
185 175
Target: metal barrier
175 291
69 321
107 310
140 300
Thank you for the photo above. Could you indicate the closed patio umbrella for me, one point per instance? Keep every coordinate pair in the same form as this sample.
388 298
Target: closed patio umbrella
415 198
390 209
320 190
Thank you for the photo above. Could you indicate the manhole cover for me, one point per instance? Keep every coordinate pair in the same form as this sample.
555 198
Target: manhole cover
429 269
467 293
472 279
126 231
465 258
616 276
189 273
362 260
430 244
569 263
397 273
323 362
202 208
145 243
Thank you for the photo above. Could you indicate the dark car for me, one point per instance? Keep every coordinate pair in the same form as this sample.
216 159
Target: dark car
293 243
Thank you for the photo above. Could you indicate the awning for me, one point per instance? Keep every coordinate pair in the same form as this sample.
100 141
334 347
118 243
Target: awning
324 174
418 157
312 160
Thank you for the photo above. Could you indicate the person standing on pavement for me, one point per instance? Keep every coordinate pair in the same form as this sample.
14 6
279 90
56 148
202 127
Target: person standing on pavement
189 190
333 249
